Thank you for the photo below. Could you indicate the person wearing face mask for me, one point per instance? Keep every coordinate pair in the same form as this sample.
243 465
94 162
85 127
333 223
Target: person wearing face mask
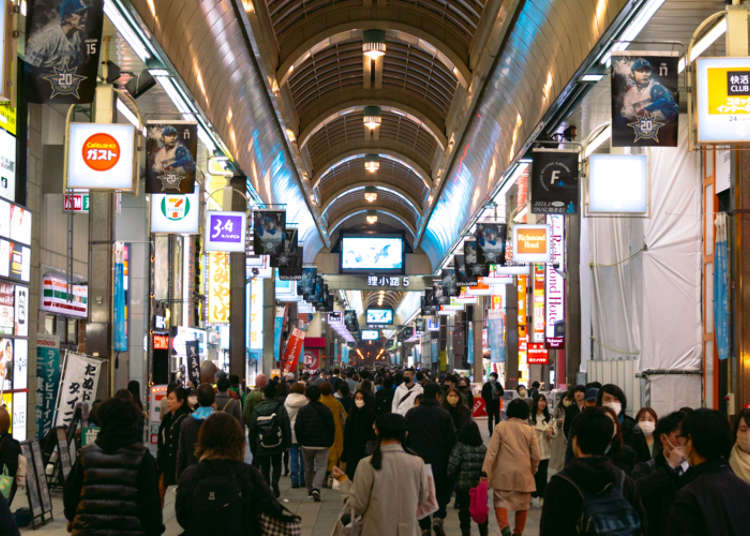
455 405
739 459
465 390
610 395
621 454
359 436
403 398
646 419
715 502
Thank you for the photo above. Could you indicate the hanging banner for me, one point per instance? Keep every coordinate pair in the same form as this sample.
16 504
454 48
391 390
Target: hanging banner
268 232
171 151
80 379
723 97
554 182
289 260
490 239
193 362
48 381
496 335
538 301
278 325
61 60
225 231
293 270
471 259
645 107
721 287
218 288
554 282
465 279
448 282
290 359
120 337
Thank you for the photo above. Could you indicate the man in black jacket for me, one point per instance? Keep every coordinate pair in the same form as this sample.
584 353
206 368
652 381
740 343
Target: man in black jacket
270 435
589 472
492 393
191 424
431 435
315 432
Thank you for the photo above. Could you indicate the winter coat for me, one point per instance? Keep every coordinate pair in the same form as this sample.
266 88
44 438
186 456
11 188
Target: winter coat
465 465
7 520
512 457
189 438
714 503
10 449
251 400
563 504
403 398
657 484
315 426
431 435
487 393
292 404
229 404
169 436
384 400
113 488
339 419
265 409
460 415
545 442
388 498
634 438
359 437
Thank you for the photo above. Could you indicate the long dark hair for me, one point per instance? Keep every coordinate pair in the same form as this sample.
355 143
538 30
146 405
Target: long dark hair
390 426
535 408
458 406
470 435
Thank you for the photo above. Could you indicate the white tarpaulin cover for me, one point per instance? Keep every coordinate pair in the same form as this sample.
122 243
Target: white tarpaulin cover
641 277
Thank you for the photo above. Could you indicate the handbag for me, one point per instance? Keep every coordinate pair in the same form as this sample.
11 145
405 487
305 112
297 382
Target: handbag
348 524
6 482
478 503
430 506
288 525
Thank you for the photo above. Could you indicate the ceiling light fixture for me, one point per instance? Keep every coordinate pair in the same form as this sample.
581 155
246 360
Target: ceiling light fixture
373 45
637 23
372 163
373 117
703 43
372 217
371 194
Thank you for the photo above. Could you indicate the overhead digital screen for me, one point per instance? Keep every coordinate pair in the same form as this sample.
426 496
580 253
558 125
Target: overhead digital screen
383 254
379 316
370 334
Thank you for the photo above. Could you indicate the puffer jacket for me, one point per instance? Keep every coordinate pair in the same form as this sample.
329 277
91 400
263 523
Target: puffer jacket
465 465
293 402
314 426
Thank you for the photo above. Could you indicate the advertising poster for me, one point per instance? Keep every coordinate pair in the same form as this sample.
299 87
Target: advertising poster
171 150
554 182
723 88
193 362
293 270
218 288
7 165
120 336
645 104
20 364
63 39
471 259
464 278
290 359
307 282
490 240
79 383
255 324
449 282
268 232
21 319
48 380
6 364
278 325
6 309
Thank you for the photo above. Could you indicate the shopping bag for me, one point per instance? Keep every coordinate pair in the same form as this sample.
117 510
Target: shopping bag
430 506
6 482
478 502
348 524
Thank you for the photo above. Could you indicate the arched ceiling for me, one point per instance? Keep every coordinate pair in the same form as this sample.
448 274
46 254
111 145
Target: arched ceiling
391 298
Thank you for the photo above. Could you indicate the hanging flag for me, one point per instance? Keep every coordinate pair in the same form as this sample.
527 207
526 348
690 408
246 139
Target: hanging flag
61 58
268 232
645 103
465 279
80 380
554 182
721 287
171 151
290 359
490 239
193 362
471 259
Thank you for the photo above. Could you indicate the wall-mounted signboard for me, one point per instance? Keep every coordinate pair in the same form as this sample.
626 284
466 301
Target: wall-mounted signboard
531 244
225 231
175 213
100 156
723 92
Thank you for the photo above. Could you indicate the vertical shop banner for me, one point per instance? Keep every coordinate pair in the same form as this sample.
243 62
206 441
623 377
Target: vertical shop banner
63 38
193 362
218 287
255 320
7 313
7 165
288 251
721 287
471 259
645 107
464 278
448 282
554 182
80 379
490 239
120 338
538 301
470 343
496 335
268 232
278 325
47 381
22 311
290 359
554 282
171 151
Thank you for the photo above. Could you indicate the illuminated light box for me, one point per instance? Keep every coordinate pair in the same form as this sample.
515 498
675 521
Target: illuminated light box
175 213
531 244
723 91
379 316
370 335
372 254
100 156
225 231
617 184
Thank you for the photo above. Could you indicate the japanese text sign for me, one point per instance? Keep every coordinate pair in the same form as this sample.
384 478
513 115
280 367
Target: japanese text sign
225 231
100 156
723 89
79 384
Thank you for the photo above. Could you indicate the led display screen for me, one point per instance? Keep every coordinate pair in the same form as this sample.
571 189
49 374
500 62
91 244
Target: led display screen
370 335
370 254
379 316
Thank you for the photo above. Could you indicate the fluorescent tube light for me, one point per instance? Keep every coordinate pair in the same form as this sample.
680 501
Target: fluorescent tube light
130 34
603 136
130 116
591 78
175 95
703 43
634 28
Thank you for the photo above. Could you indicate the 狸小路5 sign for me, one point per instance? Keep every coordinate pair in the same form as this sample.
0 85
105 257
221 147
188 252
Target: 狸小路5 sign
100 156
225 231
723 88
175 213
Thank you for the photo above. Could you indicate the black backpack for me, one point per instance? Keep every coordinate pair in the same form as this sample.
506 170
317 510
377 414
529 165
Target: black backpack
217 505
268 428
607 513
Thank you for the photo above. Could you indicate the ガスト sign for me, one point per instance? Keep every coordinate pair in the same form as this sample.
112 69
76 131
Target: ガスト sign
100 156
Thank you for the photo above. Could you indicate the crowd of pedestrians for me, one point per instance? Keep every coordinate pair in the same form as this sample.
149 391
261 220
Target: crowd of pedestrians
399 445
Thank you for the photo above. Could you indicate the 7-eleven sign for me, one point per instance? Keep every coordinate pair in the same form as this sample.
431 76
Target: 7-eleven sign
76 203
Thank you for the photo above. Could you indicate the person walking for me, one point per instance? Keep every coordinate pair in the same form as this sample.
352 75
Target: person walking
389 485
225 401
715 502
511 461
455 404
10 449
339 420
97 503
270 434
576 397
431 435
544 426
403 397
465 468
384 397
169 435
359 435
610 395
492 393
190 425
292 404
739 459
315 431
220 494
254 397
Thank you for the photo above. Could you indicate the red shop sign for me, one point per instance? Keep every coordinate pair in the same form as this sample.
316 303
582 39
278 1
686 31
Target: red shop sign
537 354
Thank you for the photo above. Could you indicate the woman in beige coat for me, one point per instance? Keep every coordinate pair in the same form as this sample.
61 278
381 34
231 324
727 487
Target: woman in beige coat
511 461
389 485
339 419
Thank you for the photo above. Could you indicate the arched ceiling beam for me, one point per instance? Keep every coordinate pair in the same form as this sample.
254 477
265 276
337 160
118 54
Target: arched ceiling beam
380 210
390 154
402 194
321 29
390 299
387 105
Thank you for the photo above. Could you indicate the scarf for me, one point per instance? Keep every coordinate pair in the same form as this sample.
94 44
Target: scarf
739 461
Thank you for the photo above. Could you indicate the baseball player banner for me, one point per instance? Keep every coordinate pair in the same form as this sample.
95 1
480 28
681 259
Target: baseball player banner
288 249
471 260
645 103
61 59
449 282
490 239
268 232
171 150
290 259
554 182
464 277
